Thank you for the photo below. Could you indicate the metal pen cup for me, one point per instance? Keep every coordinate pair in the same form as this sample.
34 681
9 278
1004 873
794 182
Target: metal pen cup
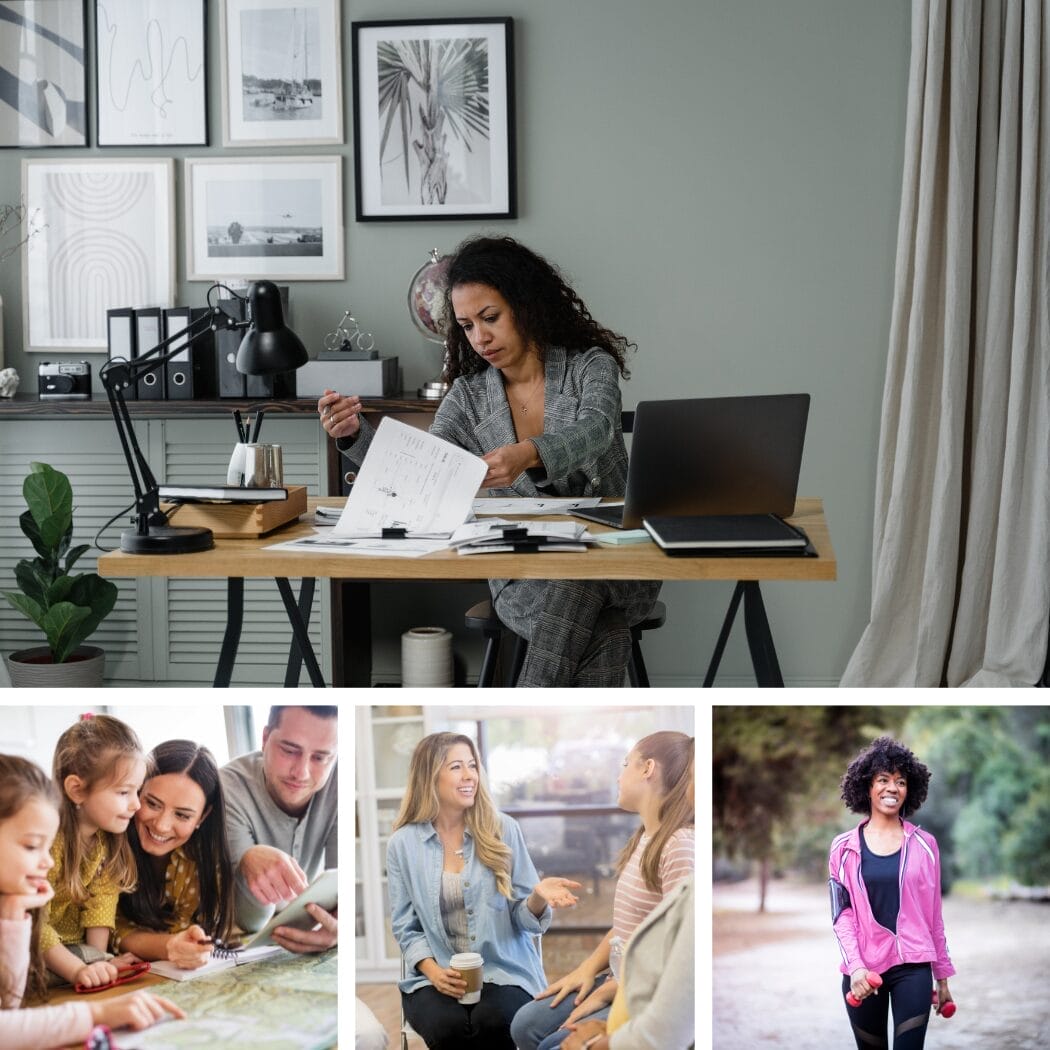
263 466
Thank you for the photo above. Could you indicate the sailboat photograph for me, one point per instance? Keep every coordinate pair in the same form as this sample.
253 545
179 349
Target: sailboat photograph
281 74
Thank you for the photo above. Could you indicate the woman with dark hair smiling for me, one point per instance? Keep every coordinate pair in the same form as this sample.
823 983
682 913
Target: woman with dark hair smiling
536 395
184 896
886 901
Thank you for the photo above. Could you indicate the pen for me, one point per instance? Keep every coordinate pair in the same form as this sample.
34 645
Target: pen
241 436
258 425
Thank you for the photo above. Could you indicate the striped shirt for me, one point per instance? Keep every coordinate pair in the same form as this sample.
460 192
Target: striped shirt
633 900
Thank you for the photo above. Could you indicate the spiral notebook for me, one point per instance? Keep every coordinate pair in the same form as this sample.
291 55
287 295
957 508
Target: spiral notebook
226 961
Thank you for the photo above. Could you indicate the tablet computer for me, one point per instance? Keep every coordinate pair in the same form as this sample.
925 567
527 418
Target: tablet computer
324 891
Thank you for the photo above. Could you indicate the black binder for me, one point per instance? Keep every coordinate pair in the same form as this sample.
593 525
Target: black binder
120 338
148 320
191 372
729 535
227 343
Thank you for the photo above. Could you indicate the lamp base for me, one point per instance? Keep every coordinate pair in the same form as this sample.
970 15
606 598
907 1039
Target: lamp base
167 539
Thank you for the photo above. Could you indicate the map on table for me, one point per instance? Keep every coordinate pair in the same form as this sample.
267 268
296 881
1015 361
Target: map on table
284 1003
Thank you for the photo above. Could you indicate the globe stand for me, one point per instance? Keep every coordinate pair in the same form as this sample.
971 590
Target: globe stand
436 388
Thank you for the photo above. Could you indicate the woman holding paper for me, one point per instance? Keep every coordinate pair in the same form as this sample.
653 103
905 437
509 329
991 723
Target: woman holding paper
536 394
183 901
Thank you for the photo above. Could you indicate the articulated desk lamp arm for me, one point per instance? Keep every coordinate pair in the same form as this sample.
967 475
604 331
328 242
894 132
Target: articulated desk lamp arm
268 347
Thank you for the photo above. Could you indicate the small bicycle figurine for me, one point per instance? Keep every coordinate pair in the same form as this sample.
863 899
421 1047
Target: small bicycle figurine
348 336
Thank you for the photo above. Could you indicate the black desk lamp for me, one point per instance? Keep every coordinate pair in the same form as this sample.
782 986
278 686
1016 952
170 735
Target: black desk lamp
268 347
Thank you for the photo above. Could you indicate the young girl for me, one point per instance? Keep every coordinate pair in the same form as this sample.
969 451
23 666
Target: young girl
184 896
99 768
886 900
655 783
28 822
461 880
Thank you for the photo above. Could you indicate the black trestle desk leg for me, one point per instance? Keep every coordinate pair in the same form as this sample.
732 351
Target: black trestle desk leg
231 639
299 632
295 657
723 635
759 638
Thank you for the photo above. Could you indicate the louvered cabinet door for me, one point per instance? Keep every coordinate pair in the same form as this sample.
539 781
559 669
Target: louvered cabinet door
88 451
193 612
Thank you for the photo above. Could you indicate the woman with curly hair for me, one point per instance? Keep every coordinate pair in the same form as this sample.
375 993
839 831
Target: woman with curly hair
535 393
886 901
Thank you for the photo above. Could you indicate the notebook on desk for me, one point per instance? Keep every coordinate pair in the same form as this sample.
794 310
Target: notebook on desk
711 455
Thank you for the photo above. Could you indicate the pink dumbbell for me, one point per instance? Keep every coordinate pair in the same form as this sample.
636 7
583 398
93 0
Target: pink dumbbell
947 1010
873 979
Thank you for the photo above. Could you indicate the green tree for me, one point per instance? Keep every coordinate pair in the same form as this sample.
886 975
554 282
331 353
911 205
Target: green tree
236 232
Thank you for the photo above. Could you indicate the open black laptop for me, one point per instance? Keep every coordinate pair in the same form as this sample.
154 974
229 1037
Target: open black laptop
711 455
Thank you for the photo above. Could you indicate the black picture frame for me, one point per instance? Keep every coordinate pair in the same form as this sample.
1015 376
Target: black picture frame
151 73
49 109
405 170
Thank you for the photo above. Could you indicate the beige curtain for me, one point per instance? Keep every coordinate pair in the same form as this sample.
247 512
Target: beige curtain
961 561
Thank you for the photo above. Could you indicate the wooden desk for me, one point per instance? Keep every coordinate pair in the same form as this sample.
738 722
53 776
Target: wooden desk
235 560
245 1006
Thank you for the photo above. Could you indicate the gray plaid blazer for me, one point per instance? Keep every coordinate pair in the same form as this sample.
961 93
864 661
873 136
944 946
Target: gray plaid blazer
581 447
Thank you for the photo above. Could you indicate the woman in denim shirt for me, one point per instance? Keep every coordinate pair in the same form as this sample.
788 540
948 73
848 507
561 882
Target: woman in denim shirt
461 880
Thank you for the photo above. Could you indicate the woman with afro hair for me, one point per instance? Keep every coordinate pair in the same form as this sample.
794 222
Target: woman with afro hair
886 901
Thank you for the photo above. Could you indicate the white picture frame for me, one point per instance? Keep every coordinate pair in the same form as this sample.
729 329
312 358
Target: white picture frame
281 72
289 211
151 74
105 239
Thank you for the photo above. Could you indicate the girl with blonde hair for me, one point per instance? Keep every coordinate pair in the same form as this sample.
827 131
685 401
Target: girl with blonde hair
461 880
655 783
99 767
28 823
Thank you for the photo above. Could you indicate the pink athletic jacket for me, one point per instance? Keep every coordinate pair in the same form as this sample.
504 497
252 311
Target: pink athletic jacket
863 942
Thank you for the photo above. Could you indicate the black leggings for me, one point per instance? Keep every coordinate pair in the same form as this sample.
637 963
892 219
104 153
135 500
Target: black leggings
445 1024
907 988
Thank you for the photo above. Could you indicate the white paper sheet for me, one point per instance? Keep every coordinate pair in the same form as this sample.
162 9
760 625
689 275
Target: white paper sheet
370 546
525 505
413 481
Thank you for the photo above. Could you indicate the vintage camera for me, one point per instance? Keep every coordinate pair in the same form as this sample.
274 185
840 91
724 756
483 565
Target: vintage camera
64 381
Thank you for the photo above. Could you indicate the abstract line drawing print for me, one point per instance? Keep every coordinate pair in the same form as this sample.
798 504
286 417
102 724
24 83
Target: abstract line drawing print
43 87
151 75
107 244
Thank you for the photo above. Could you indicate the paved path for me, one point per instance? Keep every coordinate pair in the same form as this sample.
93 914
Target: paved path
776 982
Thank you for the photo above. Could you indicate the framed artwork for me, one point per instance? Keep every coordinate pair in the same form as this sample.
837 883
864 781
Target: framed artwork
43 73
280 218
151 73
281 72
434 119
105 241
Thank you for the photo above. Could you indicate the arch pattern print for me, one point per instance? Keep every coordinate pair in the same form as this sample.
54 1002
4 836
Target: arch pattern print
106 242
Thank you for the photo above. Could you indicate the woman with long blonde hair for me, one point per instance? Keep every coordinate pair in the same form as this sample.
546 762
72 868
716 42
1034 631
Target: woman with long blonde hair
655 783
461 880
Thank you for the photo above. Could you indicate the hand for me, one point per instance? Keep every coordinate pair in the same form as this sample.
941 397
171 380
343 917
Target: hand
272 876
581 978
340 416
447 981
555 891
507 463
859 984
583 1032
136 1010
599 999
305 941
189 949
94 975
15 905
943 995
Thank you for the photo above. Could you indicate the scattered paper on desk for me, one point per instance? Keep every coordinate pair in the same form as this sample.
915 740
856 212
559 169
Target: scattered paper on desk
618 537
411 480
371 546
492 529
526 505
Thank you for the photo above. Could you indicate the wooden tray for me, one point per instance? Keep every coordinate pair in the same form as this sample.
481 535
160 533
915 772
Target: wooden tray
231 521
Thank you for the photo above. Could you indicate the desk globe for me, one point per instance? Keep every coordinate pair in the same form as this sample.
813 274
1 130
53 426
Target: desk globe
426 301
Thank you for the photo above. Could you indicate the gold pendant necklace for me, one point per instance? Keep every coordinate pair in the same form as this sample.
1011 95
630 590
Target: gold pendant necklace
524 404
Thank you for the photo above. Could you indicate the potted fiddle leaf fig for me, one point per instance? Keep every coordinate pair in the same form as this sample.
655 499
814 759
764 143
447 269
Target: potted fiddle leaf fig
66 606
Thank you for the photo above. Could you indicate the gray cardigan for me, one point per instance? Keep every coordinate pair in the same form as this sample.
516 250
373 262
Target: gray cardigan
581 448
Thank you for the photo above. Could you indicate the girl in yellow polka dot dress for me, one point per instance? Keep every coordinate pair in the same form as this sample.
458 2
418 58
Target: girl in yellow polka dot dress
99 768
184 896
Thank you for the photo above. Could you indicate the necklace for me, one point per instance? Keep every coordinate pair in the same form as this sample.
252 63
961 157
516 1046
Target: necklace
524 405
449 849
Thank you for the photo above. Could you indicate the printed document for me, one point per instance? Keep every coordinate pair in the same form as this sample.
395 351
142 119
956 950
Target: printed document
411 480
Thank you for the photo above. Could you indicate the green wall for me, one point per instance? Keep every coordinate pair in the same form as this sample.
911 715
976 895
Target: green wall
721 182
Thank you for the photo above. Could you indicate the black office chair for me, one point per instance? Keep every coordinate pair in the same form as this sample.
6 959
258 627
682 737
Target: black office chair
482 617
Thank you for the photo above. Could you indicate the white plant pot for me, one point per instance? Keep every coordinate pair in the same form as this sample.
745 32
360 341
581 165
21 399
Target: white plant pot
34 669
